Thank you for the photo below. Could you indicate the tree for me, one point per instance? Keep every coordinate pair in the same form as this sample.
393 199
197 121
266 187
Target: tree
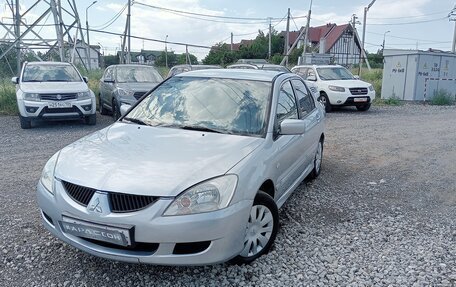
161 59
110 60
8 66
182 59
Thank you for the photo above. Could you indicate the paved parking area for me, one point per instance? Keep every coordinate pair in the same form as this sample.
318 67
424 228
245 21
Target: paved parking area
383 211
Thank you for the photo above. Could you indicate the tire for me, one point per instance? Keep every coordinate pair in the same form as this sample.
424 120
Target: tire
263 209
317 161
325 101
25 123
101 109
115 110
363 108
91 120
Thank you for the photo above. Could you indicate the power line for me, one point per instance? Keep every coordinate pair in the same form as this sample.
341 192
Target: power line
207 15
406 17
404 38
408 23
112 20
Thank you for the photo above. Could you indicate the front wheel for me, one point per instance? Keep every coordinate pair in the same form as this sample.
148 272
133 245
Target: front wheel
115 110
25 123
101 108
261 229
325 101
91 120
363 108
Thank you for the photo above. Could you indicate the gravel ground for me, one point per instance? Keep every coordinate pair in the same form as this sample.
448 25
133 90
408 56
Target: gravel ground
382 213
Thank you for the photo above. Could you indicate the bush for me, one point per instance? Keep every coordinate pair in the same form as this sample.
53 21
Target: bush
374 77
8 104
442 98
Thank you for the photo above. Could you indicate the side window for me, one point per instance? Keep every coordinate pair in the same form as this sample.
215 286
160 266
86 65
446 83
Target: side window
109 74
286 104
305 99
302 72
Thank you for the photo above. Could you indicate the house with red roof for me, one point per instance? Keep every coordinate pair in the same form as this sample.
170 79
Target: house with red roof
342 42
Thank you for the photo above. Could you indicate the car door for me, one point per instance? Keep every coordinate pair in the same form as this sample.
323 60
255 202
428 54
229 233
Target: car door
312 117
289 157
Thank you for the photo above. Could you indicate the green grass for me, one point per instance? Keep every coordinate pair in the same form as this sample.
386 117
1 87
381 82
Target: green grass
443 98
373 77
8 104
393 101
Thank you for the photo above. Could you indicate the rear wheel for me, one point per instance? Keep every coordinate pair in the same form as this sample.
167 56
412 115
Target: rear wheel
25 123
261 229
325 101
317 161
91 120
363 108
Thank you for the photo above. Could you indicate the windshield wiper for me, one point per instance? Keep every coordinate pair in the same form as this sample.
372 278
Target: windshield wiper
202 129
136 121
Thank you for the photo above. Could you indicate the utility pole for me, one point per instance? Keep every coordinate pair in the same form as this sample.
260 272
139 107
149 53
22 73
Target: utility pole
306 35
87 32
384 36
231 46
361 55
18 34
129 32
269 42
452 17
166 51
287 38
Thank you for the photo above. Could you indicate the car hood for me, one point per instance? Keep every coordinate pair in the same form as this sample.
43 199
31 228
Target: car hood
348 83
53 87
138 87
129 158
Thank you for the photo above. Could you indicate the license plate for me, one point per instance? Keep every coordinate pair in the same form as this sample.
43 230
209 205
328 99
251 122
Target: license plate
357 100
114 235
57 105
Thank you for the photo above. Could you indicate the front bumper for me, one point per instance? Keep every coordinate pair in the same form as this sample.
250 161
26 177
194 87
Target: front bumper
224 229
40 110
347 99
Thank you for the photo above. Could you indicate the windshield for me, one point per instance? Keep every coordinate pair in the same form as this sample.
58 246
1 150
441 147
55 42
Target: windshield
131 74
334 73
221 105
50 73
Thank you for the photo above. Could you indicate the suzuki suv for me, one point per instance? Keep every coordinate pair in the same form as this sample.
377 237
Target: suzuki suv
53 91
337 86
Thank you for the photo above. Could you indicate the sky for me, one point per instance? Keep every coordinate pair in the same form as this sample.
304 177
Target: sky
412 24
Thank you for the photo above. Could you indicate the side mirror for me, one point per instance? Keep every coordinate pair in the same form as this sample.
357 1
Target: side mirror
356 77
292 127
85 79
15 80
124 109
312 78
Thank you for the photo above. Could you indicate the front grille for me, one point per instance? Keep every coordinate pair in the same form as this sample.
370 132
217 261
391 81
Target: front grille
358 91
138 95
58 97
121 202
80 194
61 110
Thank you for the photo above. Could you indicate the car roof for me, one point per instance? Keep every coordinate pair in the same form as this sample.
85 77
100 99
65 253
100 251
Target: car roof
131 65
316 66
246 74
48 63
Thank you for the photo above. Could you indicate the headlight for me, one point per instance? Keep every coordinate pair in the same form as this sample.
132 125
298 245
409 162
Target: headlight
210 195
83 95
47 176
32 97
125 93
337 89
371 88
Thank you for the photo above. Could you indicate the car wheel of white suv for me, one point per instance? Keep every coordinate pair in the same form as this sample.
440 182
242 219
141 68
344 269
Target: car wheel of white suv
325 101
25 123
363 108
261 229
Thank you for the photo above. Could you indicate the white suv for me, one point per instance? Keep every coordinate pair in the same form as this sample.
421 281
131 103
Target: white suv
51 91
337 86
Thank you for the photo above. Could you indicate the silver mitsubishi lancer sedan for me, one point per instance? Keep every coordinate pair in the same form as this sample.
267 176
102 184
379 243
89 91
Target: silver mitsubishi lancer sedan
192 174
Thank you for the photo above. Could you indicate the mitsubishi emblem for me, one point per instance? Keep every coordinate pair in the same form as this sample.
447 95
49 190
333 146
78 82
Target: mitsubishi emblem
99 204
